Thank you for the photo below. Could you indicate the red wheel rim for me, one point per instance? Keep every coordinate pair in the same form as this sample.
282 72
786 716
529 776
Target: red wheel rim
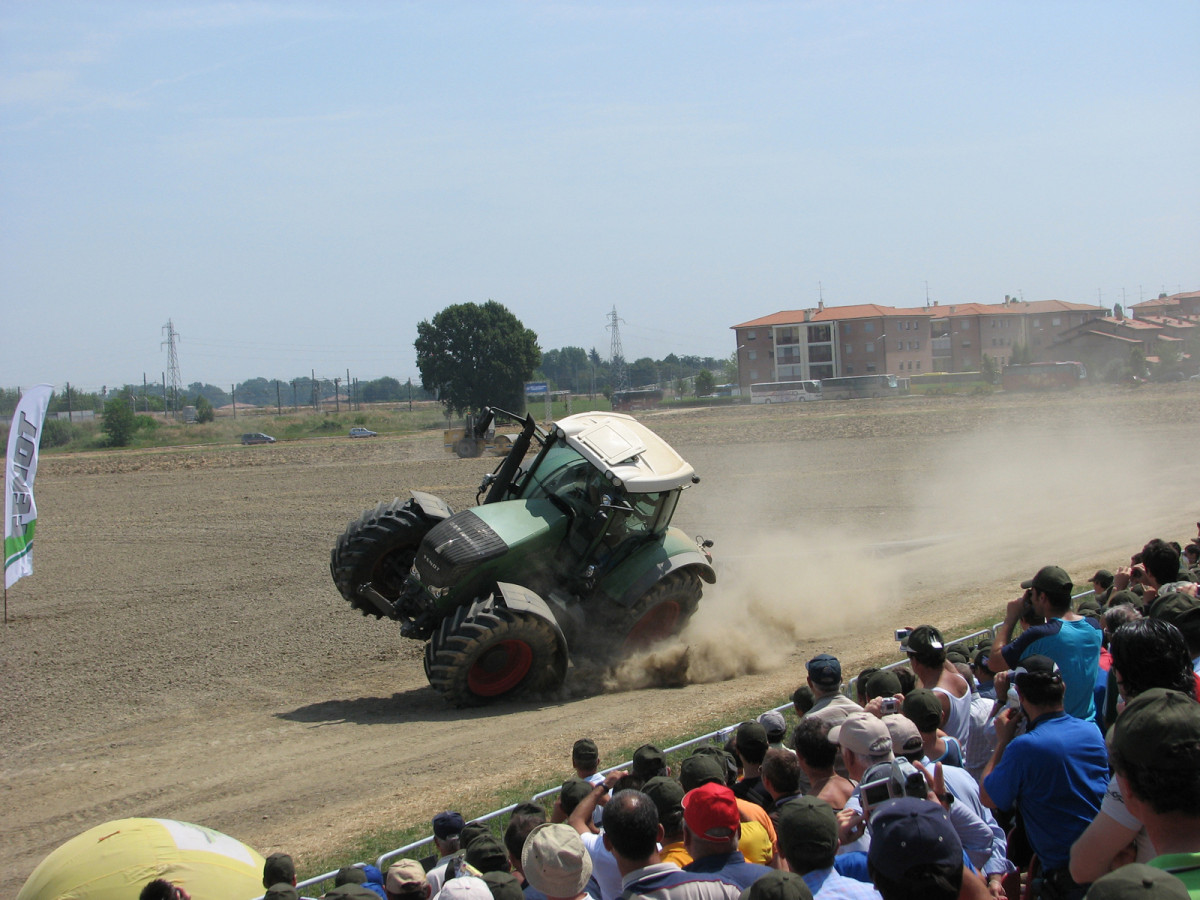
656 624
500 669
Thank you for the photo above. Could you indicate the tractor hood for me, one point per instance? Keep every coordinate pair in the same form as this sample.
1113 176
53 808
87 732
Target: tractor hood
626 451
456 547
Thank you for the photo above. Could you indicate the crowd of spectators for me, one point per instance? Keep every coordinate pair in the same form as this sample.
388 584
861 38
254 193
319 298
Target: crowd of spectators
975 772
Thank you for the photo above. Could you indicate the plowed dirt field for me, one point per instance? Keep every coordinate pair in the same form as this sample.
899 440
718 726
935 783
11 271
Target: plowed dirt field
180 650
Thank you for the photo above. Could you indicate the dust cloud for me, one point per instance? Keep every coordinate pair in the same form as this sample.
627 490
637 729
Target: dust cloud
812 554
780 589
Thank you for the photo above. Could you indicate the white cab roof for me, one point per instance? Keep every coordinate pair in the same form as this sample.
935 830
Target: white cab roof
620 444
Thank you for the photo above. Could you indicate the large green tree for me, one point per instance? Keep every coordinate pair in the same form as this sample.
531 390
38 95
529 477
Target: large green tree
474 355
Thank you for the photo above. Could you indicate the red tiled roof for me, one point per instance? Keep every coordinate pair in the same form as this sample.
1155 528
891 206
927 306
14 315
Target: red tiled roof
876 310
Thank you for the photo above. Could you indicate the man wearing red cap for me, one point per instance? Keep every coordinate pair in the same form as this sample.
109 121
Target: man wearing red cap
712 828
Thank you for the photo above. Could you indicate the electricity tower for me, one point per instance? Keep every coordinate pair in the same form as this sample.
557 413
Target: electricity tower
619 375
173 364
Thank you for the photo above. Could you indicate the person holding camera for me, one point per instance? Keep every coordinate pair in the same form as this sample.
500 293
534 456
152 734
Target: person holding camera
1054 774
1070 640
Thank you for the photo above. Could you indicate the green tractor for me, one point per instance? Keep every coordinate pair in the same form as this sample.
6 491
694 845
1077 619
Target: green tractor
570 556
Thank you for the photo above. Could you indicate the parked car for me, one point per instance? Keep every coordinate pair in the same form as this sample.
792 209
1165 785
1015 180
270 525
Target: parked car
257 437
362 432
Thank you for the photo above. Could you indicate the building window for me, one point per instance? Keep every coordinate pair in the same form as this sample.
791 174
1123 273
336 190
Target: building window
870 348
899 345
870 367
754 374
847 329
849 370
819 334
1037 323
1056 321
918 365
753 354
869 327
849 348
750 335
918 343
966 343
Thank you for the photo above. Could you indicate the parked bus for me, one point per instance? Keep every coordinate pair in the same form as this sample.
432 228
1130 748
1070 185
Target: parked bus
784 391
626 401
852 387
1043 376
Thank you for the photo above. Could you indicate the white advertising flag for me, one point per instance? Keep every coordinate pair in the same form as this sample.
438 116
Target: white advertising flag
20 467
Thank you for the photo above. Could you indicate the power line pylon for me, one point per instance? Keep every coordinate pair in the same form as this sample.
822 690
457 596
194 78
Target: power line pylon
619 374
173 364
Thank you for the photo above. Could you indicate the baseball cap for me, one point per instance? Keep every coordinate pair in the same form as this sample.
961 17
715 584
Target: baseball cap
585 750
924 639
807 827
1041 668
667 794
906 738
555 861
350 875
405 876
282 891
883 684
864 734
278 867
351 891
1050 580
777 885
572 792
648 761
1159 728
711 812
471 832
1181 610
701 768
487 854
503 885
825 671
447 824
752 739
1103 576
908 832
924 708
466 887
1137 881
981 659
775 725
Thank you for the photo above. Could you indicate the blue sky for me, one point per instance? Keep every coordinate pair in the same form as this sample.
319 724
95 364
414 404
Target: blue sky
295 185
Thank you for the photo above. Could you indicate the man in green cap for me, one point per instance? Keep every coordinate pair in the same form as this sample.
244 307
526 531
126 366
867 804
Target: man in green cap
1069 639
1155 751
808 839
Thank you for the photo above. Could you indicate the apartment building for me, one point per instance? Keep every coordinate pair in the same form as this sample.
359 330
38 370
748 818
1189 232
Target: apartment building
873 338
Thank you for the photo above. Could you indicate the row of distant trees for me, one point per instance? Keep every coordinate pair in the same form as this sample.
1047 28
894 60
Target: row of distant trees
567 368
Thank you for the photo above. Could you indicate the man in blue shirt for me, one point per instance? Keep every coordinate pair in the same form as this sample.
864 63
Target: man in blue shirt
1055 774
1069 639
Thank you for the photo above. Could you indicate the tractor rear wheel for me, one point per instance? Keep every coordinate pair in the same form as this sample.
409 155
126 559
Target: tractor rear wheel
661 612
378 548
486 650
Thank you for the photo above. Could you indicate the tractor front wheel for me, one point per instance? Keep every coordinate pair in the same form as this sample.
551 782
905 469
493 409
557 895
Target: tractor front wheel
661 612
378 548
486 650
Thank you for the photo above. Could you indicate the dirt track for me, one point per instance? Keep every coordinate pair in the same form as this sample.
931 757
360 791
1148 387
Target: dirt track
180 650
